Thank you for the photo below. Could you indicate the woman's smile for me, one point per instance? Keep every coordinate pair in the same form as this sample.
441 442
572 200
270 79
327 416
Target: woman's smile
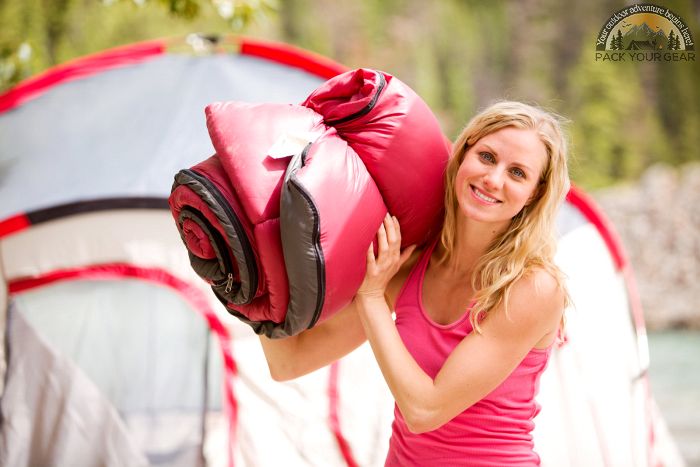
482 196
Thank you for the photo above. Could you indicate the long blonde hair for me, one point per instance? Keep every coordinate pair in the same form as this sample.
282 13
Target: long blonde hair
529 241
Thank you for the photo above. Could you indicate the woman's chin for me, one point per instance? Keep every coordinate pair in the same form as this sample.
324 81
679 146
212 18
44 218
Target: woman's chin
473 214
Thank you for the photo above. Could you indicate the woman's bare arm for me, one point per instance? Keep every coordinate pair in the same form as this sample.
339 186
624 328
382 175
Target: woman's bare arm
294 356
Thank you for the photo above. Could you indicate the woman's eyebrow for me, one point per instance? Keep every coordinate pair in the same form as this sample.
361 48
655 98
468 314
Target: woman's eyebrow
490 149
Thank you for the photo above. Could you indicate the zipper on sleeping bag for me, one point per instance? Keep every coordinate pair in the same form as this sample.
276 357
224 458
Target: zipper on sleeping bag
221 246
240 233
316 242
366 109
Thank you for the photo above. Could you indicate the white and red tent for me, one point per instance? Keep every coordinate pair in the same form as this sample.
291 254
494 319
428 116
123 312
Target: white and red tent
116 353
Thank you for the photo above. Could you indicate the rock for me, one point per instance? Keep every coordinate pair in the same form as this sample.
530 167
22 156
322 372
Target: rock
658 219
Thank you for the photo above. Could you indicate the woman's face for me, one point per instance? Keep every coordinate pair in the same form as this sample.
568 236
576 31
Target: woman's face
499 175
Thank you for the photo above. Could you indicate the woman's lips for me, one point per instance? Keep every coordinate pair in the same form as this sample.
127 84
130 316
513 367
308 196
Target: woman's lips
483 197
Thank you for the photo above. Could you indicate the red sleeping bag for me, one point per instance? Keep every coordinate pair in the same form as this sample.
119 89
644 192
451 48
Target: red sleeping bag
278 221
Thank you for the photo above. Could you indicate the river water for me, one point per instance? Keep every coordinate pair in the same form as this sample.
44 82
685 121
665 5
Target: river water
675 381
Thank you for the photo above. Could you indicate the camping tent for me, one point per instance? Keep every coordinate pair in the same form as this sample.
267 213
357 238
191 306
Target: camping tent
118 354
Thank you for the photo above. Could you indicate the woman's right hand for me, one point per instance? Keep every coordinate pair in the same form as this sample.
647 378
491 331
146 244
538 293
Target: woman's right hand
390 258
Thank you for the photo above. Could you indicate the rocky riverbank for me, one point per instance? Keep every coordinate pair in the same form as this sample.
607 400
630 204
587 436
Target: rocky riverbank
658 219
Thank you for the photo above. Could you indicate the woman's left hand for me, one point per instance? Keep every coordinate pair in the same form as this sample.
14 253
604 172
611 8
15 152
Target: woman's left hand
389 259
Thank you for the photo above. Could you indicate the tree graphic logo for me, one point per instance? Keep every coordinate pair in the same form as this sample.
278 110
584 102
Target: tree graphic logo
645 32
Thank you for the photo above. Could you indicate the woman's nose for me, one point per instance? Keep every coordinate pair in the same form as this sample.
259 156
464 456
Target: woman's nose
493 179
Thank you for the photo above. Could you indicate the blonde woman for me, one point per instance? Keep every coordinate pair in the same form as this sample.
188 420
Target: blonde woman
477 310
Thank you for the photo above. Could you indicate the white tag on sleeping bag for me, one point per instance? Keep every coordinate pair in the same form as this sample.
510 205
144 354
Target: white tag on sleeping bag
291 143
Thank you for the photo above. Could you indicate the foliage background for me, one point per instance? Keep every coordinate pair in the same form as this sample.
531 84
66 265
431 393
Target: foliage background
458 54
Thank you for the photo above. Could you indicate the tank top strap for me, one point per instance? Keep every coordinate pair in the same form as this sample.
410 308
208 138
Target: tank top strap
412 284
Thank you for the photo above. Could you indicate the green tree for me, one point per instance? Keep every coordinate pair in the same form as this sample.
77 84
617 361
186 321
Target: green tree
615 131
671 45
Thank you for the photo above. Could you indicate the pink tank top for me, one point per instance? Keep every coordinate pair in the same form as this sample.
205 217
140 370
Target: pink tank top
496 431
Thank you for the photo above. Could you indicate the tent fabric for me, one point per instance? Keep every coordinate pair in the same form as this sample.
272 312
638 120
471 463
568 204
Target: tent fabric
111 221
52 414
165 401
596 411
153 321
39 257
117 334
3 329
80 68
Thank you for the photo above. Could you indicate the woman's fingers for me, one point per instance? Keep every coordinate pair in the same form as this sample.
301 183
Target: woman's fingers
370 254
389 244
391 232
397 236
382 267
397 226
382 241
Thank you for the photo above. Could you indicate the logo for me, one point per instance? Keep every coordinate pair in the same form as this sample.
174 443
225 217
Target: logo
645 32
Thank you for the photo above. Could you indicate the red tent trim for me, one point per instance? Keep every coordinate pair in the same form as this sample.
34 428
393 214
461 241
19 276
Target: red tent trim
20 222
334 419
14 224
595 216
78 68
587 206
133 53
292 56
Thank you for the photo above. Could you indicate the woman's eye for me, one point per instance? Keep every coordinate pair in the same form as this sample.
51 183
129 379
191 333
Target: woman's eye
487 156
518 172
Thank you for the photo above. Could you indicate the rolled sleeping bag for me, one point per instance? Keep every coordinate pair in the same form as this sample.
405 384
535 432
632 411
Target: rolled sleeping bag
325 179
239 251
283 242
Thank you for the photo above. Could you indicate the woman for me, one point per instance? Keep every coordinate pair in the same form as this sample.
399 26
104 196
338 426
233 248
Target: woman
477 311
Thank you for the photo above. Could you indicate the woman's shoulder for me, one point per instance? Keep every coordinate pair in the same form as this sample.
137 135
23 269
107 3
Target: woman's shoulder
543 281
532 311
538 294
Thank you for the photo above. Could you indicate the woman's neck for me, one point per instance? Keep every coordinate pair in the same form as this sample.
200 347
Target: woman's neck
472 240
